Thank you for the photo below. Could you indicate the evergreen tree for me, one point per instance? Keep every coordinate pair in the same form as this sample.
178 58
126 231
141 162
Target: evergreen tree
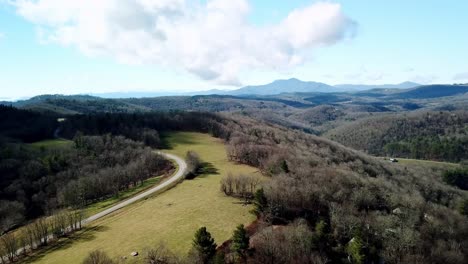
260 202
355 250
320 236
457 177
284 166
204 244
463 207
219 258
240 240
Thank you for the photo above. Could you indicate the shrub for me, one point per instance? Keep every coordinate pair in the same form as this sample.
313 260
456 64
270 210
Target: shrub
193 164
160 255
98 257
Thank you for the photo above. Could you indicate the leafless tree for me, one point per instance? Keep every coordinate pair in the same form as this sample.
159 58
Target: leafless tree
10 246
98 257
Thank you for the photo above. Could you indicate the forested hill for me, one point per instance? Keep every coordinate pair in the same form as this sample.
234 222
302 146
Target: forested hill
422 135
433 91
316 113
26 126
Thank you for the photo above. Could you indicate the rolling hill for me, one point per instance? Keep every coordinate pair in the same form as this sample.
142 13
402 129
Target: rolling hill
432 91
361 87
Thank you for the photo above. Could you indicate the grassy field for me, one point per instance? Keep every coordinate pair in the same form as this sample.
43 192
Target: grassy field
102 205
52 144
425 163
171 217
428 162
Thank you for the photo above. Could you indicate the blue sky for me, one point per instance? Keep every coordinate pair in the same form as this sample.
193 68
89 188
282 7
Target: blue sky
390 42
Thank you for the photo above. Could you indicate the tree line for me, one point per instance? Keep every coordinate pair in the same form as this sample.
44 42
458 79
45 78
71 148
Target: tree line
39 233
36 182
105 166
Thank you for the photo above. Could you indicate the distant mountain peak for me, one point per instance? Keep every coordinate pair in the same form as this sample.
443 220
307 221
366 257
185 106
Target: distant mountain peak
410 84
292 80
292 85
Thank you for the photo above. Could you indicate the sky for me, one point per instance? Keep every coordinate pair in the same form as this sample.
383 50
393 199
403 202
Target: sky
88 46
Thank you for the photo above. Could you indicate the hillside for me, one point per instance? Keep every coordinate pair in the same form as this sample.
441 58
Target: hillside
358 87
433 91
421 135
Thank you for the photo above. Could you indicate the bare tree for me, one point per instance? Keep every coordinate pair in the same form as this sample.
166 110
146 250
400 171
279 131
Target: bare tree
10 246
160 255
58 224
30 235
41 231
98 257
193 164
242 186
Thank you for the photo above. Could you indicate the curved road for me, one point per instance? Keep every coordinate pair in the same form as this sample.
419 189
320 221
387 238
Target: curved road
172 180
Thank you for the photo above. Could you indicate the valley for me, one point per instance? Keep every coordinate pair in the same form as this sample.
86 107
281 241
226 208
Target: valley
187 206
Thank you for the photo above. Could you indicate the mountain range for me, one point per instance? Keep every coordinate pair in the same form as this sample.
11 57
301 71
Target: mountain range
297 86
360 87
292 85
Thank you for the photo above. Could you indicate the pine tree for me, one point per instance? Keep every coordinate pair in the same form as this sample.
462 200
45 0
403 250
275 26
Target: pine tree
260 202
240 240
204 244
355 250
219 258
463 207
284 166
320 236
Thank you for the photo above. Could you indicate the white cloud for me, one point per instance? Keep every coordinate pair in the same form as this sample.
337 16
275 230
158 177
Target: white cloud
214 41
